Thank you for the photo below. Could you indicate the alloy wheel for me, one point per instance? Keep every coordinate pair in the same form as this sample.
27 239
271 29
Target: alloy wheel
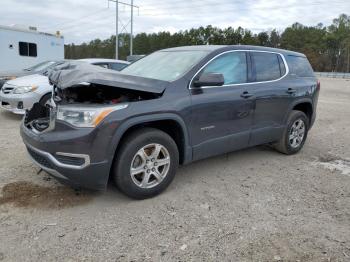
297 133
150 166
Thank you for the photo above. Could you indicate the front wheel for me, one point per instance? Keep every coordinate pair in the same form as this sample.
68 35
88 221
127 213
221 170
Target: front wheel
294 135
146 163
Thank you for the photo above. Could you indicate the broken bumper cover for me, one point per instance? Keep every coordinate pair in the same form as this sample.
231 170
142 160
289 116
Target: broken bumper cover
56 158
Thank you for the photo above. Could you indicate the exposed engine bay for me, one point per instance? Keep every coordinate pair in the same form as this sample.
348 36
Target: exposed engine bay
79 85
99 94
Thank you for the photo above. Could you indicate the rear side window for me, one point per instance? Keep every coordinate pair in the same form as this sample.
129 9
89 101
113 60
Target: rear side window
300 66
117 66
267 66
232 65
27 49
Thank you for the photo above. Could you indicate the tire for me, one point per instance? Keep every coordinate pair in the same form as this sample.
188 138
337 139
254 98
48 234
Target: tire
292 146
135 149
45 99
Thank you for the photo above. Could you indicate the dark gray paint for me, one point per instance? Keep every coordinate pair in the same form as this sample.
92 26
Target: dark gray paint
212 120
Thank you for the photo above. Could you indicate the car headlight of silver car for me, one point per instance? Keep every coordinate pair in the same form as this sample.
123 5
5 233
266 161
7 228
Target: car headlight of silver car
24 89
86 116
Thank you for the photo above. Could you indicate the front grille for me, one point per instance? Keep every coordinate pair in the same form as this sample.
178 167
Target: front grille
6 89
70 160
42 160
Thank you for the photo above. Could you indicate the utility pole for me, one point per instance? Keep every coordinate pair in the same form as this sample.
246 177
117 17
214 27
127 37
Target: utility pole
132 27
348 60
116 30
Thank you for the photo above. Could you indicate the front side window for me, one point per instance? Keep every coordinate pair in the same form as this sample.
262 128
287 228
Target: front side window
27 49
233 66
267 66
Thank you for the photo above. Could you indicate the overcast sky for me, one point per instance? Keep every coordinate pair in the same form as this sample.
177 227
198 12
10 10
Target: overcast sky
84 20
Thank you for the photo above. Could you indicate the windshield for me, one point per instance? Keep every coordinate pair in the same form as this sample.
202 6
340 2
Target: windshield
41 66
165 65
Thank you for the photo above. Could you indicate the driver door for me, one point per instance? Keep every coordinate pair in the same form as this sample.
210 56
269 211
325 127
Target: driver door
222 116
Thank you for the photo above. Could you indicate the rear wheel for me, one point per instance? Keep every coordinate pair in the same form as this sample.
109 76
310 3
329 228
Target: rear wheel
146 163
294 136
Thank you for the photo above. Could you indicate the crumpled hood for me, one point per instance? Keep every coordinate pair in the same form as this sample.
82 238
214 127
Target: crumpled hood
73 74
29 80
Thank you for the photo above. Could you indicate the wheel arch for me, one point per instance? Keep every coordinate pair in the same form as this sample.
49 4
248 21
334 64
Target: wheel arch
304 105
45 94
172 124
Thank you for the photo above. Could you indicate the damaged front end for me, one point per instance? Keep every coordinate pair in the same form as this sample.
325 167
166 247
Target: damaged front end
83 95
39 118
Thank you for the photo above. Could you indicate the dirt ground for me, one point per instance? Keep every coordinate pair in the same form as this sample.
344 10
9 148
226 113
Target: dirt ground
251 205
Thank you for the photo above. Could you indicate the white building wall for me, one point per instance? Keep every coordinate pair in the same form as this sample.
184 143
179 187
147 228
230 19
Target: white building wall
49 47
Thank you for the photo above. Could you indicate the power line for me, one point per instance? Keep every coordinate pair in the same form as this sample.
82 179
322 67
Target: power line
79 18
236 8
227 10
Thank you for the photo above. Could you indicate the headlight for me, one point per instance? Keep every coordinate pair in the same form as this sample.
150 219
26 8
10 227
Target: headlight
85 116
24 89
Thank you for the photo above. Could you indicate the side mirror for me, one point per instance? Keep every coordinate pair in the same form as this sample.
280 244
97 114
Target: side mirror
209 79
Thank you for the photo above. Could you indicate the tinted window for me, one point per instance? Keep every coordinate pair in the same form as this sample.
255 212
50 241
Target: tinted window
32 49
165 65
300 66
267 66
23 49
117 66
282 66
27 49
102 65
232 65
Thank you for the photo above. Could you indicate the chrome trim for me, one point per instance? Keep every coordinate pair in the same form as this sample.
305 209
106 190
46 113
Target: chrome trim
83 156
59 164
248 83
48 170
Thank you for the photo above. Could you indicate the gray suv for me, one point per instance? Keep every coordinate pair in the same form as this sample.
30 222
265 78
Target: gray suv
172 107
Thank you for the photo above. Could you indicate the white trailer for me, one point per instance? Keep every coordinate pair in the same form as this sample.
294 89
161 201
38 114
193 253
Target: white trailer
21 48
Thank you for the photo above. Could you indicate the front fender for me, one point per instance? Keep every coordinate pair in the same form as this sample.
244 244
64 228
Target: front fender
127 124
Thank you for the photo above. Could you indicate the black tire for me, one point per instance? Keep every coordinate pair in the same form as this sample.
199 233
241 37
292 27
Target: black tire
44 99
284 145
129 147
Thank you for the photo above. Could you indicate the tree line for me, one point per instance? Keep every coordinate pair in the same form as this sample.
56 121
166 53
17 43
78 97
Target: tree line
327 47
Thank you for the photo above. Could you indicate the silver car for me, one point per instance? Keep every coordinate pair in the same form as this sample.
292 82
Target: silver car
20 94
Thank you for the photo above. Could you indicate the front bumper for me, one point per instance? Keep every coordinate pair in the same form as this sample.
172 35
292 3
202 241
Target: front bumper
10 102
72 156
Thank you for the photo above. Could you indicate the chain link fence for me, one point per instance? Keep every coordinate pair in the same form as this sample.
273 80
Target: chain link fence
333 75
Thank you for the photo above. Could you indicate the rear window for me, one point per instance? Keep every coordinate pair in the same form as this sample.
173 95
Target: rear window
300 66
267 66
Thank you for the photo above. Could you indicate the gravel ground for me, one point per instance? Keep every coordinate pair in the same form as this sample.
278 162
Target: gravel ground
251 205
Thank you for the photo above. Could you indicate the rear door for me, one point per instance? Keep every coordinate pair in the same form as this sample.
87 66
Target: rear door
272 99
222 116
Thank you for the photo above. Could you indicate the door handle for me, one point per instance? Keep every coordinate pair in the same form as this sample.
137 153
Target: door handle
246 94
291 91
